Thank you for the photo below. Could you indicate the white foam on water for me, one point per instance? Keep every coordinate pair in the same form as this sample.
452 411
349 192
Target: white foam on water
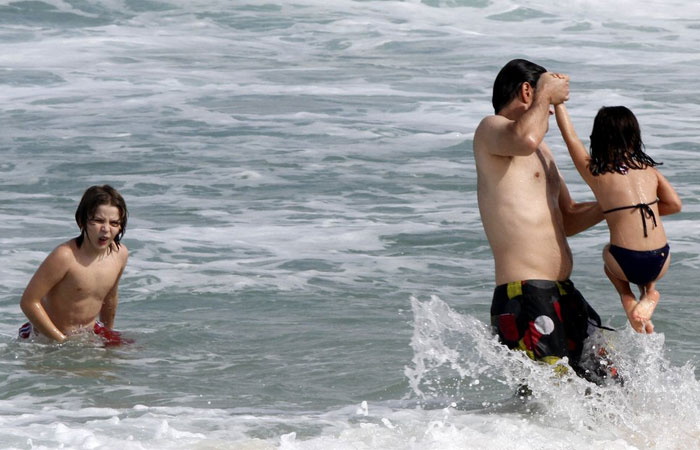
170 428
657 407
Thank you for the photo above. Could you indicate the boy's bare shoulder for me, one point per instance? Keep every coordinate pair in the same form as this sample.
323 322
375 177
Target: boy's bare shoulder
123 253
59 261
65 251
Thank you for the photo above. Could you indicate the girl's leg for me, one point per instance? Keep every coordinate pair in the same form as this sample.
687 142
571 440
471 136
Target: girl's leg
629 302
622 286
649 299
647 304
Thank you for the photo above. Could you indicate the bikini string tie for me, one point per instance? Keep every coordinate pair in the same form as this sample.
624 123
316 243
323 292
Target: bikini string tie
647 213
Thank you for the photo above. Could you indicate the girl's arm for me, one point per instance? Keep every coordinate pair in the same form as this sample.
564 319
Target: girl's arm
577 151
669 201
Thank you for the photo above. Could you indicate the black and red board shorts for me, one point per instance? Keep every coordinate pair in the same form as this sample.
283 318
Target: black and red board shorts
547 319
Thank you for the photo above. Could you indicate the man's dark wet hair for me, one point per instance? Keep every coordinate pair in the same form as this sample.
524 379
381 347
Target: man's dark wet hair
510 78
616 142
94 197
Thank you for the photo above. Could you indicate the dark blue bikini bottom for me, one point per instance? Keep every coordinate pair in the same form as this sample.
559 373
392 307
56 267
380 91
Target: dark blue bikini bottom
640 266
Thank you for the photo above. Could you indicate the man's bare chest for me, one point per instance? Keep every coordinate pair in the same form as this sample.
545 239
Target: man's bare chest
537 169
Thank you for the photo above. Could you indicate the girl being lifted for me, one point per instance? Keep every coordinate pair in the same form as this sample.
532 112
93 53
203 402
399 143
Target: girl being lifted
633 194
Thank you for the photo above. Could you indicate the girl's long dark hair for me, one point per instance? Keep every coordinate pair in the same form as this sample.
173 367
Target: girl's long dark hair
616 142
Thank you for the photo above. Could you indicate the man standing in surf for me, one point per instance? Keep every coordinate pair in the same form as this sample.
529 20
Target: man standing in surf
77 282
527 214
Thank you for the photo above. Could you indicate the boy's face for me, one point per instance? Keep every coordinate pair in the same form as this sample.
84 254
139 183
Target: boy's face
103 227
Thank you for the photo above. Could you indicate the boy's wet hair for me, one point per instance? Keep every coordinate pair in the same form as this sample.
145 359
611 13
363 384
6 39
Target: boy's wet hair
94 197
510 78
616 142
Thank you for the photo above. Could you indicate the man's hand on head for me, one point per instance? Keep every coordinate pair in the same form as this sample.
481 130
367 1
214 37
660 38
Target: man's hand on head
555 86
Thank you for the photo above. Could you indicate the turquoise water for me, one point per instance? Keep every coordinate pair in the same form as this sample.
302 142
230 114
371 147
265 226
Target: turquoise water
308 268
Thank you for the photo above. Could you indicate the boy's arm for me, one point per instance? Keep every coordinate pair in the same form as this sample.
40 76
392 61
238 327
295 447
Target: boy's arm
109 305
669 201
577 151
577 217
48 275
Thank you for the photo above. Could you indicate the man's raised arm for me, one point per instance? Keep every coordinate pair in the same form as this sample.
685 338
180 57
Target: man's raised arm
510 133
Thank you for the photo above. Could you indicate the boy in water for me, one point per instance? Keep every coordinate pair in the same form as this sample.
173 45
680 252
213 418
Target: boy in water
78 281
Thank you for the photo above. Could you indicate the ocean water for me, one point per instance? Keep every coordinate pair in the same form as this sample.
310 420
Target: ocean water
308 268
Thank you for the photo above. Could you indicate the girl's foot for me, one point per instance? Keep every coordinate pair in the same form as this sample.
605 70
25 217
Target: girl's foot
629 304
643 311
